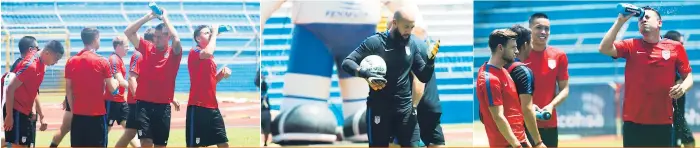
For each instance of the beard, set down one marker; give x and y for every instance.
(507, 59)
(645, 29)
(399, 38)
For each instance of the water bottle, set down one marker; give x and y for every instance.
(155, 8)
(543, 115)
(225, 28)
(626, 9)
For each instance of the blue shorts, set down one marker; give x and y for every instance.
(322, 44)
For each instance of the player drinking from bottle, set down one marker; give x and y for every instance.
(652, 63)
(158, 70)
(205, 126)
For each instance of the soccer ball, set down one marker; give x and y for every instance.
(375, 64)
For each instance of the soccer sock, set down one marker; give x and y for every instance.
(53, 145)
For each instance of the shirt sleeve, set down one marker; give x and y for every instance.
(524, 79)
(134, 63)
(422, 66)
(105, 68)
(351, 62)
(682, 63)
(68, 69)
(144, 46)
(25, 71)
(113, 62)
(623, 48)
(563, 71)
(493, 91)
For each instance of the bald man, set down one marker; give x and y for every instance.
(390, 108)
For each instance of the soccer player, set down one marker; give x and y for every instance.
(651, 65)
(159, 69)
(683, 133)
(26, 44)
(389, 103)
(550, 69)
(499, 104)
(117, 108)
(21, 93)
(205, 126)
(131, 124)
(88, 75)
(524, 83)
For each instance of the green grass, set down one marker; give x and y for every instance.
(583, 142)
(238, 137)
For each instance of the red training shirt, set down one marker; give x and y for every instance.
(31, 72)
(495, 87)
(202, 80)
(87, 72)
(159, 69)
(548, 66)
(649, 75)
(136, 59)
(116, 65)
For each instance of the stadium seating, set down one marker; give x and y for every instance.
(237, 50)
(453, 67)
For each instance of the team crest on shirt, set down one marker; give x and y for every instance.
(408, 51)
(167, 54)
(666, 54)
(24, 139)
(377, 119)
(196, 141)
(552, 63)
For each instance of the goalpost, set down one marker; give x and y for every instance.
(11, 40)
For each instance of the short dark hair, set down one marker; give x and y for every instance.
(54, 46)
(500, 36)
(198, 31)
(160, 26)
(89, 35)
(148, 35)
(523, 35)
(536, 16)
(652, 9)
(25, 43)
(673, 35)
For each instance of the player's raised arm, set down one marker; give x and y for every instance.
(424, 68)
(133, 28)
(606, 45)
(208, 51)
(176, 44)
(268, 7)
(351, 63)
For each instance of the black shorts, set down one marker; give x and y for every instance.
(430, 129)
(383, 123)
(265, 120)
(117, 112)
(131, 117)
(645, 135)
(153, 122)
(65, 102)
(88, 131)
(204, 127)
(22, 132)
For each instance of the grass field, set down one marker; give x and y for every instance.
(238, 137)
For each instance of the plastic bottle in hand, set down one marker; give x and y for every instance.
(155, 8)
(542, 114)
(225, 28)
(626, 9)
